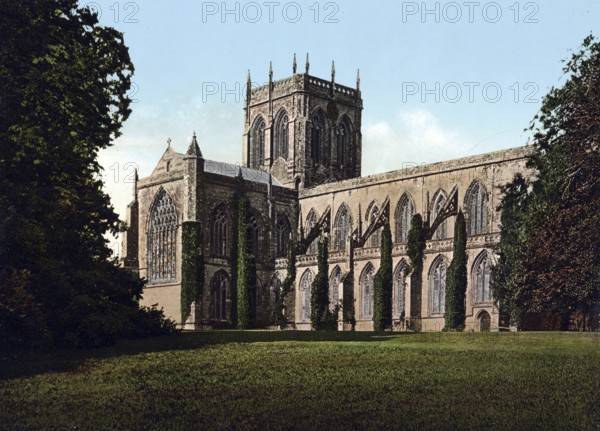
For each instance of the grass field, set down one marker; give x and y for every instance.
(290, 380)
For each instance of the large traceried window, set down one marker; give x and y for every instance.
(367, 289)
(254, 234)
(257, 144)
(341, 228)
(305, 289)
(481, 279)
(317, 141)
(477, 210)
(400, 284)
(311, 221)
(344, 144)
(281, 136)
(218, 296)
(405, 211)
(162, 239)
(283, 231)
(437, 286)
(442, 231)
(334, 287)
(219, 232)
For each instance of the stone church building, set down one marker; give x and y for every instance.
(302, 148)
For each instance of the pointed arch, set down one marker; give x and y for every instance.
(334, 287)
(220, 296)
(345, 144)
(480, 278)
(162, 238)
(281, 147)
(257, 142)
(367, 290)
(283, 230)
(305, 288)
(254, 231)
(399, 294)
(437, 285)
(371, 215)
(220, 234)
(439, 199)
(318, 138)
(342, 227)
(405, 210)
(476, 200)
(311, 220)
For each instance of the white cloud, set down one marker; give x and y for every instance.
(414, 137)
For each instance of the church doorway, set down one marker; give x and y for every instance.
(484, 321)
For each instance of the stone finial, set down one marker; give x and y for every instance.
(294, 65)
(169, 143)
(358, 79)
(270, 71)
(307, 64)
(333, 71)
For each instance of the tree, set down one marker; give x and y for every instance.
(321, 317)
(63, 98)
(557, 271)
(382, 313)
(416, 253)
(456, 286)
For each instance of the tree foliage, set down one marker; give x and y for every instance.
(382, 313)
(556, 234)
(456, 285)
(321, 317)
(63, 97)
(416, 254)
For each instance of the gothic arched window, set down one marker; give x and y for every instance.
(162, 238)
(317, 141)
(218, 296)
(477, 209)
(311, 221)
(219, 232)
(341, 228)
(257, 147)
(305, 288)
(283, 230)
(343, 145)
(438, 204)
(334, 287)
(375, 237)
(481, 279)
(403, 217)
(281, 136)
(367, 287)
(437, 286)
(400, 283)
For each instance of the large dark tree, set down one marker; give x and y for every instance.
(417, 240)
(456, 285)
(64, 82)
(382, 313)
(321, 317)
(557, 233)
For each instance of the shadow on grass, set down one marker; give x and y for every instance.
(30, 362)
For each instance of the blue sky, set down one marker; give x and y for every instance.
(439, 80)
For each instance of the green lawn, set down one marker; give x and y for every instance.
(290, 380)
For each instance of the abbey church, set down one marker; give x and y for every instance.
(301, 149)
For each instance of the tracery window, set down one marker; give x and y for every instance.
(341, 228)
(375, 237)
(219, 296)
(305, 289)
(334, 287)
(343, 146)
(162, 239)
(311, 221)
(481, 279)
(437, 286)
(317, 139)
(281, 136)
(283, 231)
(257, 147)
(442, 230)
(477, 210)
(219, 232)
(367, 288)
(403, 217)
(254, 234)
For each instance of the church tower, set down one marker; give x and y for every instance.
(302, 129)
